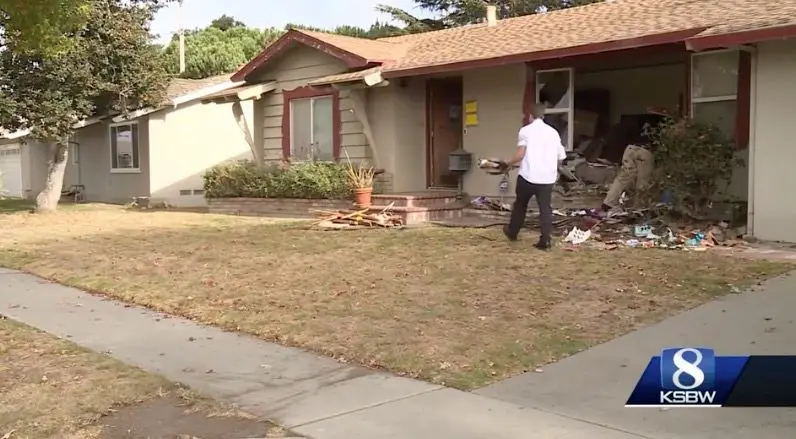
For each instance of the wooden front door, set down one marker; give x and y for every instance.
(444, 126)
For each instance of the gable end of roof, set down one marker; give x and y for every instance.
(291, 37)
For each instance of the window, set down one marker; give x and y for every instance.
(74, 152)
(720, 82)
(124, 148)
(554, 88)
(311, 124)
(311, 129)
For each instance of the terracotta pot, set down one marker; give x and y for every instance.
(362, 197)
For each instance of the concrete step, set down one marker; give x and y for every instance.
(418, 199)
(415, 215)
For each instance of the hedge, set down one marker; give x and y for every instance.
(310, 180)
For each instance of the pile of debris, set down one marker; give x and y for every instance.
(647, 228)
(486, 203)
(354, 219)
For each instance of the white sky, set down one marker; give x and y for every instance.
(267, 13)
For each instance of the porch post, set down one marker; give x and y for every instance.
(358, 104)
(686, 110)
(529, 95)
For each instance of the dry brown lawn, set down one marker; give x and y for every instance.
(442, 304)
(53, 389)
(50, 388)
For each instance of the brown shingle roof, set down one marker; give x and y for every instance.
(178, 86)
(371, 50)
(611, 20)
(608, 25)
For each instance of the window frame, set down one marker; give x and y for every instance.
(741, 97)
(136, 148)
(309, 92)
(312, 101)
(74, 150)
(569, 111)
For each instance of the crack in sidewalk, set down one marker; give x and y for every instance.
(365, 407)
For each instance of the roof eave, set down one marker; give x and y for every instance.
(293, 36)
(718, 41)
(241, 93)
(585, 49)
(179, 100)
(77, 125)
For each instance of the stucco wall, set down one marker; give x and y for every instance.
(34, 166)
(397, 116)
(35, 162)
(95, 165)
(186, 141)
(498, 92)
(773, 212)
(294, 69)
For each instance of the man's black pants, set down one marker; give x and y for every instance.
(543, 194)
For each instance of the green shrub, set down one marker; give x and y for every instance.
(693, 162)
(314, 180)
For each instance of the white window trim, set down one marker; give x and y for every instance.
(569, 111)
(312, 123)
(75, 153)
(556, 110)
(74, 150)
(715, 99)
(110, 149)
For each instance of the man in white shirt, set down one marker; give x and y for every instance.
(539, 152)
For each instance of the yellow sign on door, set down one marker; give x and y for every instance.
(470, 113)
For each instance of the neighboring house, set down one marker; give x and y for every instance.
(159, 153)
(406, 102)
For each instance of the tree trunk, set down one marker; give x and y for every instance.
(47, 200)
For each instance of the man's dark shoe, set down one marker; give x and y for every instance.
(545, 246)
(508, 234)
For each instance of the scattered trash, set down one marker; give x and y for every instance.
(577, 236)
(485, 203)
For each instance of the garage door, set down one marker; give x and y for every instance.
(11, 172)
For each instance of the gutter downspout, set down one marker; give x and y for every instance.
(750, 209)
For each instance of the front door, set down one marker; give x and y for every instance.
(444, 111)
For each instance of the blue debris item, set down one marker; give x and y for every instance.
(642, 231)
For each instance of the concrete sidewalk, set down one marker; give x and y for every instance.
(311, 395)
(594, 384)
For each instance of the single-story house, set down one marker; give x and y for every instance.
(406, 102)
(159, 152)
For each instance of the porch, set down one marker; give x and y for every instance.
(480, 110)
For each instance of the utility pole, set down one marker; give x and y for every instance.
(182, 37)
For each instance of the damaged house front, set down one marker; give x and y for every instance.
(405, 103)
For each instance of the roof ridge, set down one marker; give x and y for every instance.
(469, 26)
(335, 35)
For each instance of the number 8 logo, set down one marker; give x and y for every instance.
(686, 367)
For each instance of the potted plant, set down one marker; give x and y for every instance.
(360, 177)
